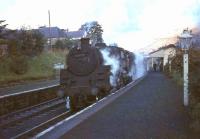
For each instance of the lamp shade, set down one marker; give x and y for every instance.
(185, 39)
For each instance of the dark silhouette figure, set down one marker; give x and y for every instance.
(161, 66)
(154, 66)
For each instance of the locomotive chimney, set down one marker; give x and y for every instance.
(85, 42)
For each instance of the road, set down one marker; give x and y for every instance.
(153, 109)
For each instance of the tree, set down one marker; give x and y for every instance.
(39, 42)
(59, 44)
(2, 28)
(93, 31)
(65, 44)
(31, 42)
(70, 43)
(18, 63)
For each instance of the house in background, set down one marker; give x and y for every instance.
(161, 57)
(75, 35)
(54, 33)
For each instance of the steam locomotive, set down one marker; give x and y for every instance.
(87, 77)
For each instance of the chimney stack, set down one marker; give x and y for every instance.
(85, 42)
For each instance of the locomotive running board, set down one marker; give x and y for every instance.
(59, 129)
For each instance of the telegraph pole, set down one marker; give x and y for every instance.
(49, 30)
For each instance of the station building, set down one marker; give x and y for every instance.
(160, 57)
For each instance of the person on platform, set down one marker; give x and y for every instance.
(154, 66)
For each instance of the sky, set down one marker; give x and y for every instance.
(132, 24)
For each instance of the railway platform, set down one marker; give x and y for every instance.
(27, 87)
(152, 109)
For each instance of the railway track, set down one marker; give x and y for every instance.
(24, 122)
(30, 121)
(35, 130)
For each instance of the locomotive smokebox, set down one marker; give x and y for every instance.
(85, 42)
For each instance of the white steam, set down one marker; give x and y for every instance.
(140, 65)
(114, 63)
(137, 69)
(132, 71)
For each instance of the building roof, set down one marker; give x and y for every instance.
(164, 48)
(75, 34)
(52, 32)
(60, 33)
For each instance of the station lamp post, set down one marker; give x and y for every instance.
(185, 40)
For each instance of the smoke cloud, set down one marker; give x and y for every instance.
(113, 62)
(140, 65)
(137, 69)
(132, 72)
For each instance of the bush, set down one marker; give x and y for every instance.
(18, 64)
(28, 69)
(194, 83)
(166, 69)
(195, 116)
(194, 73)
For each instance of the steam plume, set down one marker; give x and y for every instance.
(140, 66)
(114, 62)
